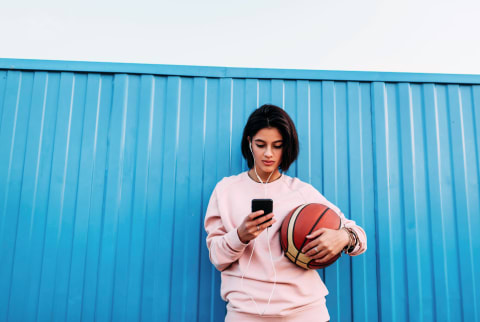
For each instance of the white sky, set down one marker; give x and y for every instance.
(369, 35)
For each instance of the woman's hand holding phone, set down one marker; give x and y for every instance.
(253, 225)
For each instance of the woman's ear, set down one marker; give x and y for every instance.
(250, 143)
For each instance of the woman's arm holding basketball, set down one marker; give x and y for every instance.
(325, 244)
(331, 241)
(335, 239)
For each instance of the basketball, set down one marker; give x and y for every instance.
(301, 222)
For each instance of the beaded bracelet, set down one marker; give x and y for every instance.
(353, 240)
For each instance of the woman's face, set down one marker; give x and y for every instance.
(267, 147)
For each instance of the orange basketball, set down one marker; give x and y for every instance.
(301, 222)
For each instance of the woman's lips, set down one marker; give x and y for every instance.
(268, 163)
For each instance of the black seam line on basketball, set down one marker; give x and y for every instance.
(298, 260)
(294, 223)
(339, 225)
(305, 240)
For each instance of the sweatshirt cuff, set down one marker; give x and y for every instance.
(234, 241)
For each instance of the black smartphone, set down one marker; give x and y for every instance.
(262, 204)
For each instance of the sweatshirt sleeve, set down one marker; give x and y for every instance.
(224, 247)
(314, 196)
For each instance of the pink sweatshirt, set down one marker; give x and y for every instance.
(297, 289)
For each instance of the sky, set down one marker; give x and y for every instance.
(421, 36)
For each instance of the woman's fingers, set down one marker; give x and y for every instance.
(316, 250)
(261, 223)
(258, 217)
(255, 214)
(320, 256)
(322, 253)
(263, 219)
(324, 259)
(309, 249)
(266, 225)
(316, 233)
(248, 229)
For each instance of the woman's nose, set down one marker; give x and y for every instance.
(268, 151)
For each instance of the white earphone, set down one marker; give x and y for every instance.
(254, 242)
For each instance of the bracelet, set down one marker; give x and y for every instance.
(353, 240)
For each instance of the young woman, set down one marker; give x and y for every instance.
(258, 282)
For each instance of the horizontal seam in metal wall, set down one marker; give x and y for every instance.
(233, 72)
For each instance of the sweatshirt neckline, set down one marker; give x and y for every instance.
(270, 184)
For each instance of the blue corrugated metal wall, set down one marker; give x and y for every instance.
(106, 171)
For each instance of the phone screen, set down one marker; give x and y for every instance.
(262, 204)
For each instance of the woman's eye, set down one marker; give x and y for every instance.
(275, 146)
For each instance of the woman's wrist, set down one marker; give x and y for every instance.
(240, 237)
(346, 238)
(352, 240)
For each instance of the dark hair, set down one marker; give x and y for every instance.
(268, 116)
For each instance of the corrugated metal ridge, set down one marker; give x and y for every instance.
(233, 72)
